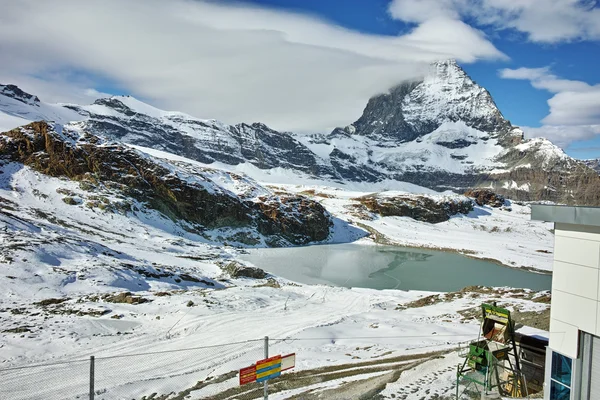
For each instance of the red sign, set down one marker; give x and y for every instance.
(248, 374)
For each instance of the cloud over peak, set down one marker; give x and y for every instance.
(213, 60)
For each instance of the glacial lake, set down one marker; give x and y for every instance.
(389, 267)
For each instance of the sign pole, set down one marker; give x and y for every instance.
(92, 376)
(266, 383)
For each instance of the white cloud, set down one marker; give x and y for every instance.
(420, 11)
(227, 61)
(542, 78)
(563, 135)
(574, 108)
(547, 21)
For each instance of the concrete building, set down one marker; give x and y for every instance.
(573, 354)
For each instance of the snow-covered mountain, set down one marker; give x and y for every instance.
(446, 132)
(19, 108)
(443, 132)
(213, 204)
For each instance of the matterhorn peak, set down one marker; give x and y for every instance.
(448, 73)
(414, 109)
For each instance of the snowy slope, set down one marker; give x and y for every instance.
(55, 250)
(430, 152)
(198, 198)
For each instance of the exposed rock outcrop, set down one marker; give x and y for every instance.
(485, 197)
(421, 208)
(237, 270)
(295, 218)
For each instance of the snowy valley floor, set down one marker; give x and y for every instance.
(62, 265)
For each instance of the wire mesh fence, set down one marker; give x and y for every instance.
(53, 381)
(174, 374)
(203, 371)
(209, 372)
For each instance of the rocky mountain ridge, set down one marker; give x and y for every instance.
(593, 164)
(444, 132)
(204, 201)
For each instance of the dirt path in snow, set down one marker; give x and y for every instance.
(362, 380)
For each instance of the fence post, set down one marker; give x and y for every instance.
(92, 372)
(265, 383)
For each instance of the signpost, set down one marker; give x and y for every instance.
(266, 369)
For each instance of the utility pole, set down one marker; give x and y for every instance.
(266, 383)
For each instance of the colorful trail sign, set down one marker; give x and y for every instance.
(266, 369)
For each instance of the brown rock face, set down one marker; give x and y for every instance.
(421, 208)
(486, 197)
(296, 218)
(197, 200)
(38, 146)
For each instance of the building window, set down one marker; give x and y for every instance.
(560, 377)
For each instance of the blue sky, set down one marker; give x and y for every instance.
(518, 100)
(311, 65)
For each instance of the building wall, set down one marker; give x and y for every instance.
(575, 286)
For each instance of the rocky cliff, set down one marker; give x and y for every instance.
(184, 193)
